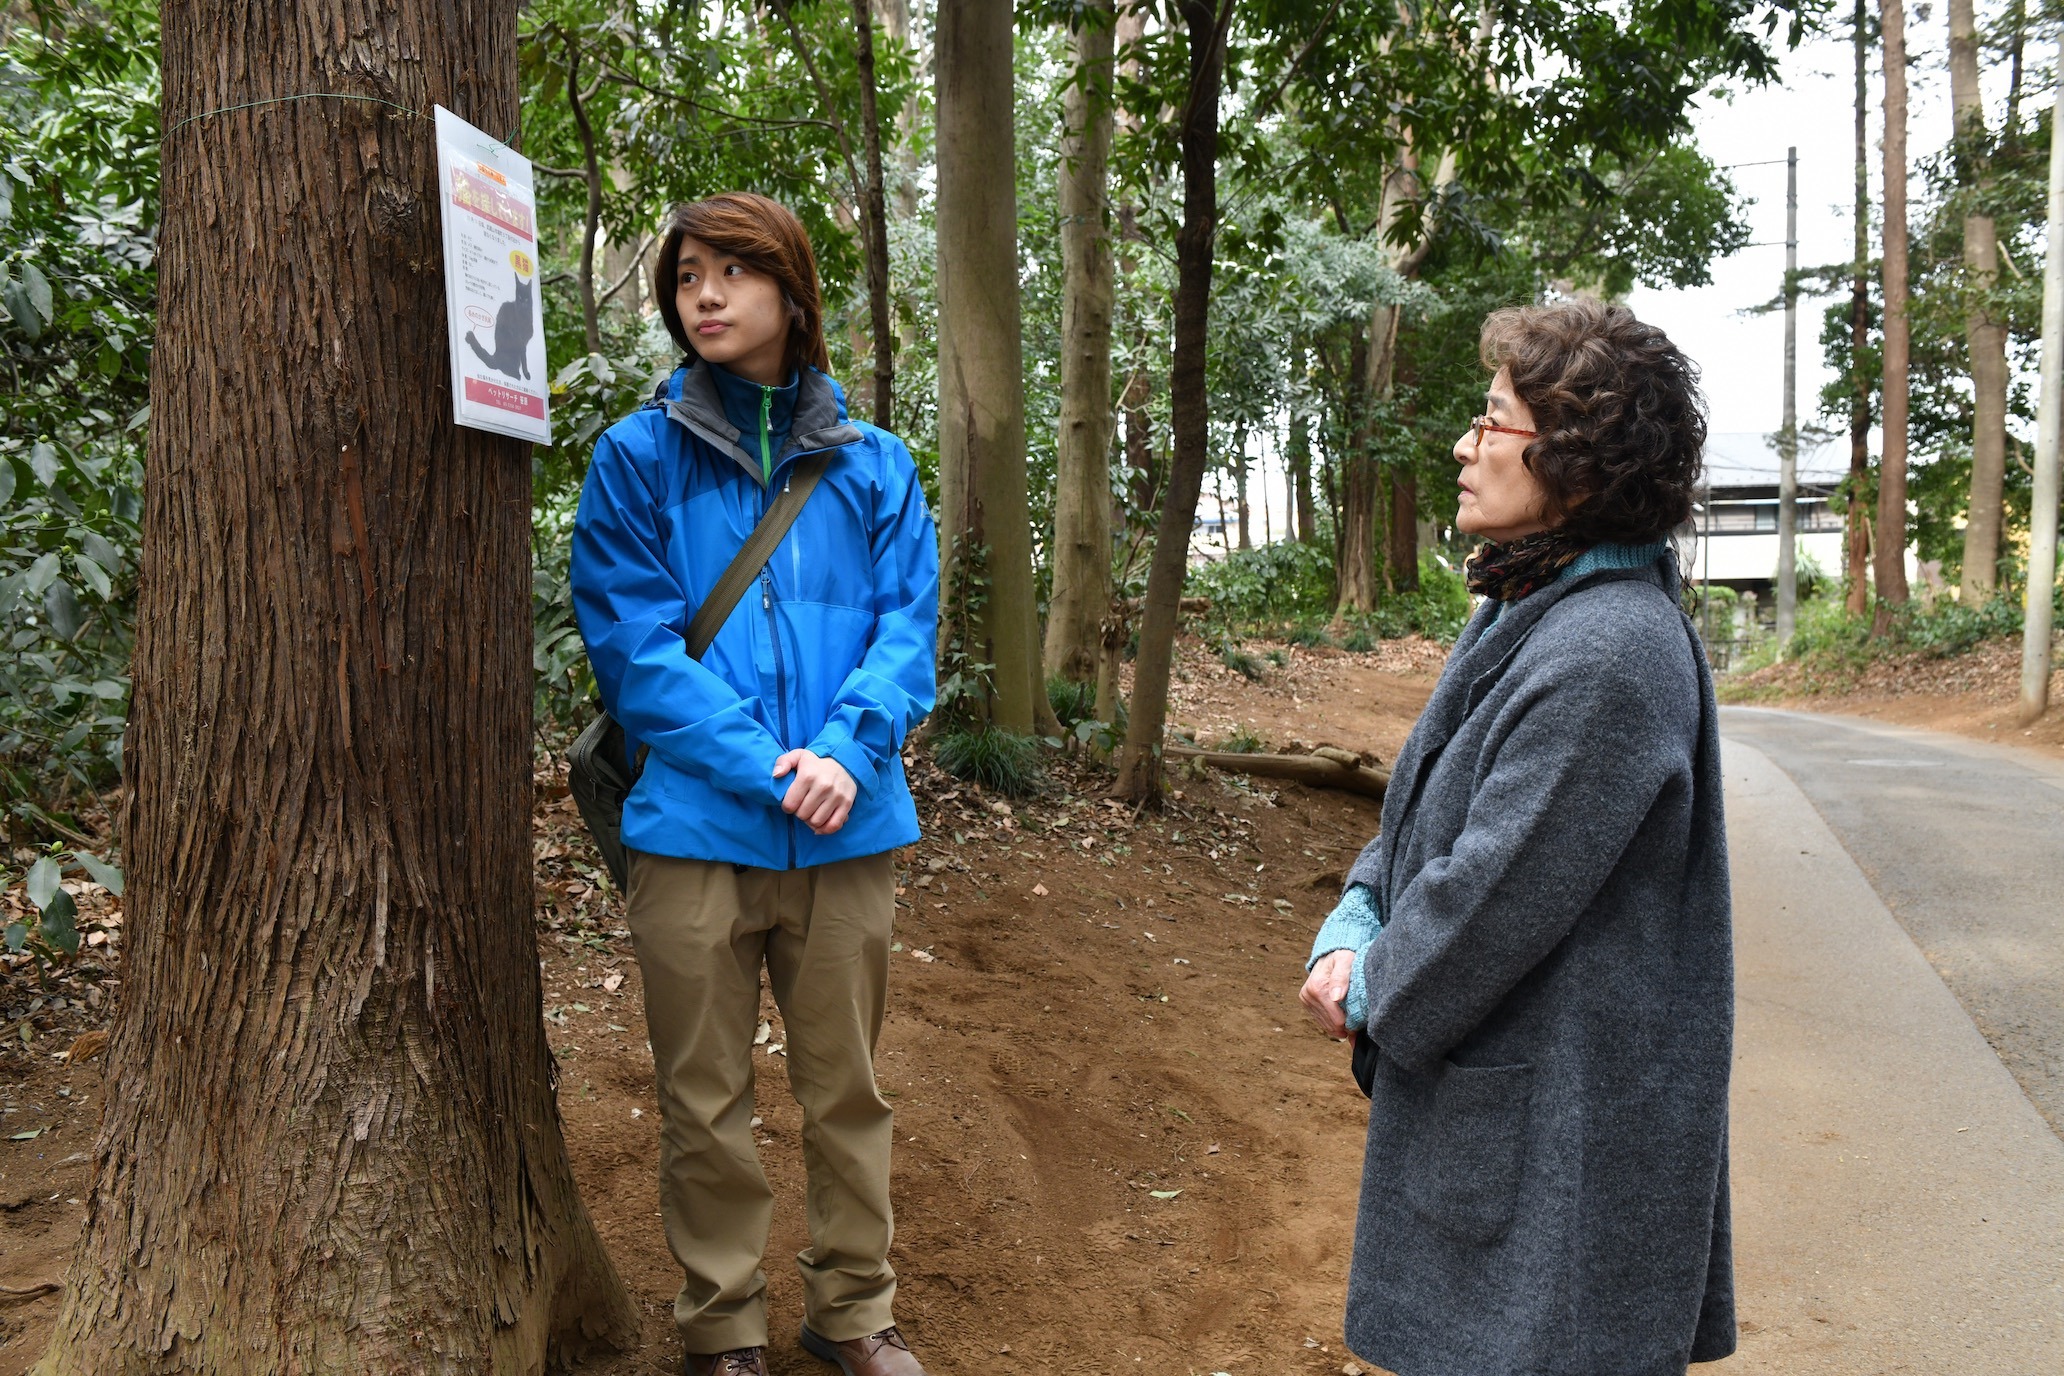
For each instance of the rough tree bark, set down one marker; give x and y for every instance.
(1082, 479)
(982, 496)
(1139, 768)
(329, 1139)
(1984, 332)
(1891, 523)
(875, 211)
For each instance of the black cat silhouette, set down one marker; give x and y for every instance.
(515, 322)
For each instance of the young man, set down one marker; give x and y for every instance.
(772, 793)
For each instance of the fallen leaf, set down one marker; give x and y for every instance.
(31, 1135)
(1164, 1194)
(613, 983)
(926, 956)
(762, 1032)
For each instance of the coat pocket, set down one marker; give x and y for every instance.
(1469, 1151)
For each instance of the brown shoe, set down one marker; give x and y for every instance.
(741, 1361)
(886, 1353)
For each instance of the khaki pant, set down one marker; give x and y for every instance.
(702, 930)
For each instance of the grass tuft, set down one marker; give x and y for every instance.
(992, 757)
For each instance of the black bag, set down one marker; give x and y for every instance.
(1365, 1064)
(601, 769)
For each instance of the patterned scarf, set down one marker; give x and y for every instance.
(1506, 573)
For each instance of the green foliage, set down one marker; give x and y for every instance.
(53, 936)
(992, 757)
(1245, 663)
(1241, 741)
(1072, 702)
(1269, 583)
(78, 215)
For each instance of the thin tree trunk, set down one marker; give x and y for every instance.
(1139, 768)
(982, 494)
(1082, 478)
(2017, 39)
(1891, 523)
(1859, 546)
(1142, 467)
(875, 209)
(1240, 487)
(591, 220)
(1301, 475)
(895, 22)
(1984, 332)
(329, 1139)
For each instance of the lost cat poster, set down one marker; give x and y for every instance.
(491, 283)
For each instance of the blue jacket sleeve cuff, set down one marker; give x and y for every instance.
(1351, 926)
(1355, 1007)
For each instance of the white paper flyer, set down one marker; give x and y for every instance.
(492, 309)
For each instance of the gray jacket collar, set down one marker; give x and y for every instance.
(1482, 653)
(818, 422)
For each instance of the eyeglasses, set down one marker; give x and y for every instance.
(1483, 423)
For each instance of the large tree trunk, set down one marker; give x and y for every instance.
(981, 371)
(1357, 546)
(1984, 332)
(1891, 525)
(1082, 479)
(1139, 768)
(874, 209)
(1859, 538)
(1403, 544)
(329, 1139)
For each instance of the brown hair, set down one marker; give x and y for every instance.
(764, 234)
(1622, 424)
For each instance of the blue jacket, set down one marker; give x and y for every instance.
(833, 649)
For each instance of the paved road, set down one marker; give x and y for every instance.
(1898, 1200)
(1964, 842)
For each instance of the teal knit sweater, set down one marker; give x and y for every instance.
(1357, 920)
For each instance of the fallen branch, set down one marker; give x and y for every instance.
(1325, 767)
(29, 1292)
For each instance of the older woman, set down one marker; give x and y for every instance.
(1534, 955)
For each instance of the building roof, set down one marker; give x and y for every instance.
(1743, 458)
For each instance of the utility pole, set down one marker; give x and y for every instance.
(2042, 516)
(1788, 438)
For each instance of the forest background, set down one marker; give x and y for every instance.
(1354, 245)
(1086, 257)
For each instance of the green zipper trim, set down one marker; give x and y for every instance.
(766, 454)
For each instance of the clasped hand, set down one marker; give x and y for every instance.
(1324, 994)
(822, 793)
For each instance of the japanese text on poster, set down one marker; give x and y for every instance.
(498, 373)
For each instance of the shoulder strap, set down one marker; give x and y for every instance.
(758, 548)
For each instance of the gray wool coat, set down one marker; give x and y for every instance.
(1551, 1001)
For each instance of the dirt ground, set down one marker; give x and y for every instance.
(1974, 694)
(1121, 1147)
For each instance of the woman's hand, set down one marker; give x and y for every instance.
(822, 793)
(1325, 993)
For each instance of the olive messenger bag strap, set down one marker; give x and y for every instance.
(601, 770)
